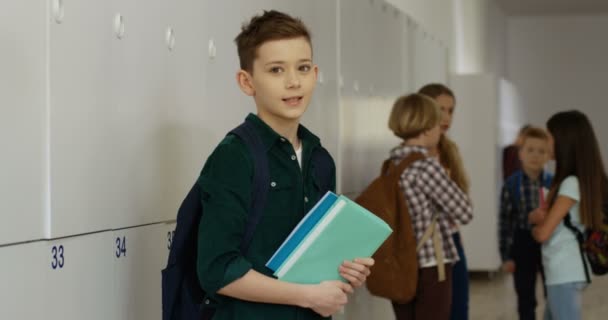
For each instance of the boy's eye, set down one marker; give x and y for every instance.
(276, 70)
(305, 68)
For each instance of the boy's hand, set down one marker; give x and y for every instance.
(537, 216)
(508, 266)
(328, 297)
(356, 272)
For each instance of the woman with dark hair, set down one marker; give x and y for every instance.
(450, 159)
(576, 197)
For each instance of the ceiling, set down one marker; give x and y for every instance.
(554, 7)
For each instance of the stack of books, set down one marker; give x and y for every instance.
(334, 230)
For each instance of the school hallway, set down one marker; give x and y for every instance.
(494, 298)
(109, 110)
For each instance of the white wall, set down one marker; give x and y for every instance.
(559, 63)
(435, 15)
(479, 37)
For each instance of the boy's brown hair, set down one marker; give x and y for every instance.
(271, 25)
(534, 132)
(412, 115)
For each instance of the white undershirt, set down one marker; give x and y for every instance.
(299, 155)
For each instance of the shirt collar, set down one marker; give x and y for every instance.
(402, 151)
(270, 137)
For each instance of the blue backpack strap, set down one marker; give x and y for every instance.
(261, 178)
(322, 168)
(513, 184)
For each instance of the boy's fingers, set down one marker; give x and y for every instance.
(345, 287)
(365, 261)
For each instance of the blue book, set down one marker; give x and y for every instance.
(301, 230)
(345, 232)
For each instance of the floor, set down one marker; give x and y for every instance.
(493, 297)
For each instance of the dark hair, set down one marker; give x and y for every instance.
(434, 90)
(577, 154)
(271, 25)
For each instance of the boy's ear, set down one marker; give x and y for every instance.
(244, 80)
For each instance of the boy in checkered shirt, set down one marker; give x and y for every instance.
(521, 194)
(434, 202)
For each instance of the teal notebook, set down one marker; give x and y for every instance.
(345, 232)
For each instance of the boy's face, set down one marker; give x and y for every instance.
(282, 81)
(534, 153)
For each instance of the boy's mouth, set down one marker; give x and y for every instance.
(293, 101)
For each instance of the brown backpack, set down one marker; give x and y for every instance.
(395, 273)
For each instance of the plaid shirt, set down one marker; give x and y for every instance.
(519, 196)
(429, 191)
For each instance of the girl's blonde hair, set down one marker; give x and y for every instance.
(412, 115)
(449, 156)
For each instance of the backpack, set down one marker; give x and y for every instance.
(182, 296)
(593, 245)
(395, 272)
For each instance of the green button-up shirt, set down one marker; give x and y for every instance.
(226, 181)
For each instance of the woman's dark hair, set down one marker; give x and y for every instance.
(577, 154)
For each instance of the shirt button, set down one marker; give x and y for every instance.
(273, 184)
(306, 199)
(293, 157)
(282, 139)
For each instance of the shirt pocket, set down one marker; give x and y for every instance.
(281, 197)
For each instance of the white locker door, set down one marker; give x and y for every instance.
(186, 142)
(85, 187)
(430, 59)
(22, 274)
(79, 278)
(322, 114)
(139, 255)
(23, 121)
(139, 110)
(225, 105)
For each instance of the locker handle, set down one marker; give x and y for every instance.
(119, 26)
(58, 11)
(170, 38)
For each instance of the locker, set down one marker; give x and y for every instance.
(139, 254)
(186, 141)
(22, 273)
(23, 121)
(79, 277)
(322, 114)
(496, 103)
(222, 24)
(356, 52)
(84, 137)
(168, 231)
(139, 107)
(430, 59)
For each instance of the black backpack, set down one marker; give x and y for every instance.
(593, 245)
(182, 296)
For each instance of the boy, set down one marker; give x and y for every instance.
(430, 196)
(275, 55)
(520, 253)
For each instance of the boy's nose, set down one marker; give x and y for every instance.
(292, 81)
